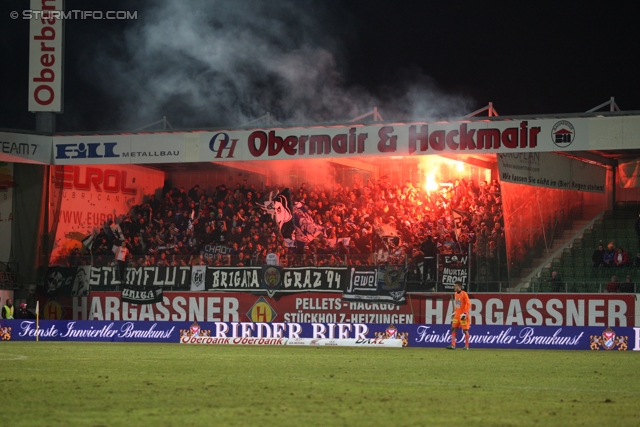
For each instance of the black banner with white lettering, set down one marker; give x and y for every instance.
(295, 279)
(318, 279)
(141, 295)
(178, 277)
(383, 284)
(233, 279)
(454, 268)
(75, 281)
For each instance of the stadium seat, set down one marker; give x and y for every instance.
(545, 287)
(592, 287)
(589, 243)
(601, 234)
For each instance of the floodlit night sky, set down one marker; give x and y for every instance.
(223, 63)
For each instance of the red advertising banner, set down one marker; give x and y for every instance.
(85, 198)
(540, 309)
(599, 310)
(240, 307)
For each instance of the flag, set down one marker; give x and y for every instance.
(306, 228)
(198, 273)
(88, 241)
(281, 209)
(458, 217)
(117, 231)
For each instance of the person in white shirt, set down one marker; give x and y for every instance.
(272, 259)
(122, 255)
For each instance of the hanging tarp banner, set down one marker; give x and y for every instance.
(551, 171)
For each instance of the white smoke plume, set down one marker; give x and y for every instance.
(223, 63)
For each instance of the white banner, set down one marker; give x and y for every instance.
(198, 273)
(347, 342)
(45, 57)
(394, 140)
(23, 148)
(551, 171)
(332, 342)
(118, 149)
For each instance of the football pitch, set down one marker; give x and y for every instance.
(125, 384)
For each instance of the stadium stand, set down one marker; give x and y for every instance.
(377, 223)
(616, 229)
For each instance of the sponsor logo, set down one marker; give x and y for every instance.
(89, 150)
(609, 341)
(261, 312)
(563, 133)
(22, 148)
(53, 310)
(194, 331)
(351, 142)
(151, 153)
(92, 179)
(5, 333)
(391, 333)
(220, 142)
(233, 341)
(421, 140)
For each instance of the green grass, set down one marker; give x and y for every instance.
(116, 384)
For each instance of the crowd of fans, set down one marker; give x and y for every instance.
(228, 226)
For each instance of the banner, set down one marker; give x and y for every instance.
(554, 309)
(210, 251)
(59, 281)
(360, 334)
(141, 295)
(382, 284)
(314, 342)
(175, 276)
(92, 198)
(552, 171)
(119, 149)
(294, 279)
(198, 273)
(46, 55)
(23, 148)
(454, 268)
(235, 307)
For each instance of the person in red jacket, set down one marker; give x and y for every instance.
(621, 258)
(461, 318)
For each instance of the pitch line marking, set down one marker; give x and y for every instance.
(6, 357)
